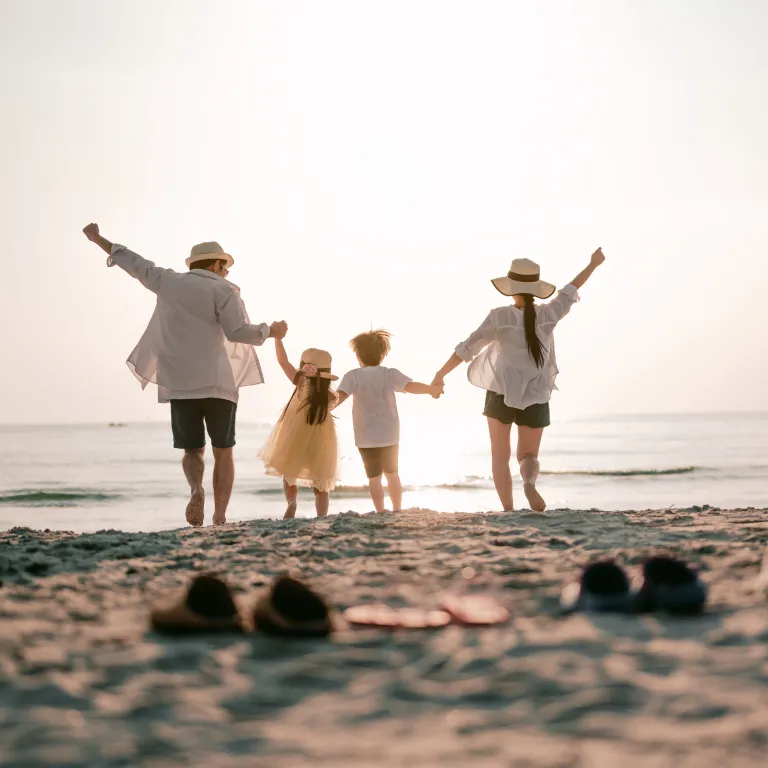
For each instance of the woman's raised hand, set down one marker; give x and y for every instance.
(598, 257)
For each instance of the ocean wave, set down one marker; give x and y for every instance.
(354, 491)
(623, 472)
(65, 497)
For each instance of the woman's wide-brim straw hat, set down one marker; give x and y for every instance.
(316, 363)
(524, 276)
(205, 251)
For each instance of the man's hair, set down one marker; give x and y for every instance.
(372, 347)
(203, 263)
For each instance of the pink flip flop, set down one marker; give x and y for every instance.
(380, 615)
(474, 610)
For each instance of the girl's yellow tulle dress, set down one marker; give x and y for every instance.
(302, 453)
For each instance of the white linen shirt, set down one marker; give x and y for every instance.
(374, 406)
(199, 341)
(500, 361)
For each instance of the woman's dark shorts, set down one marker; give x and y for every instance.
(190, 418)
(380, 461)
(535, 416)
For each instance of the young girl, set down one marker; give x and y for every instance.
(303, 448)
(512, 357)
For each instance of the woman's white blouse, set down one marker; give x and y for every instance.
(500, 361)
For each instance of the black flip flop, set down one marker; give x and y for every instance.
(670, 585)
(208, 606)
(603, 588)
(292, 609)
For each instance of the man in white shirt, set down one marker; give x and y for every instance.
(198, 349)
(374, 413)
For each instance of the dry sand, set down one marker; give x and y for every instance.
(83, 682)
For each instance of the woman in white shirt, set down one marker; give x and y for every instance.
(512, 357)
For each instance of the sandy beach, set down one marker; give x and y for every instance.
(84, 682)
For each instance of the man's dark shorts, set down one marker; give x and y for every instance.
(535, 416)
(378, 461)
(190, 418)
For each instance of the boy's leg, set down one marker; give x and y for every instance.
(321, 502)
(291, 494)
(389, 457)
(372, 460)
(395, 489)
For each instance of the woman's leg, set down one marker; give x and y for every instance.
(377, 493)
(291, 494)
(501, 452)
(321, 502)
(528, 442)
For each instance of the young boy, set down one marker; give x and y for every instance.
(374, 413)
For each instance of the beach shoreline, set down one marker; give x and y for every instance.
(84, 682)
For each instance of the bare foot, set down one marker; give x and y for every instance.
(534, 497)
(196, 507)
(290, 511)
(219, 520)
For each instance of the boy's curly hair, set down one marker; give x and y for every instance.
(372, 346)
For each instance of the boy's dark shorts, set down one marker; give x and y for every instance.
(380, 461)
(535, 416)
(190, 418)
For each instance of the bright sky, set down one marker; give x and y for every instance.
(376, 163)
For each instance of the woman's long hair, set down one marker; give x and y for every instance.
(529, 320)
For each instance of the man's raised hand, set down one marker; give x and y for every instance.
(91, 232)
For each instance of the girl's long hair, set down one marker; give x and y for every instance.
(532, 340)
(317, 401)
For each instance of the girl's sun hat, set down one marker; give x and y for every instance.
(316, 363)
(524, 276)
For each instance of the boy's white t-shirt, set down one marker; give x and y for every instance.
(374, 408)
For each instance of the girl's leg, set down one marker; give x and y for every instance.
(291, 494)
(395, 490)
(377, 493)
(528, 442)
(321, 502)
(501, 453)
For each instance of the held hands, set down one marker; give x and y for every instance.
(91, 232)
(278, 329)
(438, 390)
(597, 258)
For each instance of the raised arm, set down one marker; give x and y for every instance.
(595, 261)
(92, 233)
(140, 268)
(282, 359)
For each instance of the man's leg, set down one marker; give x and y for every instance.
(223, 480)
(194, 467)
(220, 417)
(189, 435)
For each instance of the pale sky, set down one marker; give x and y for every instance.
(376, 163)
